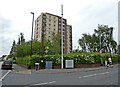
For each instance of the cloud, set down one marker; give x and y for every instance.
(83, 15)
(5, 24)
(94, 14)
(4, 45)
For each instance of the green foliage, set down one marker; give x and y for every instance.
(24, 48)
(54, 45)
(118, 49)
(79, 58)
(24, 61)
(13, 48)
(102, 38)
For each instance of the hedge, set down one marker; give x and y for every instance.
(79, 58)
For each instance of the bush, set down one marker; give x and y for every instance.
(79, 58)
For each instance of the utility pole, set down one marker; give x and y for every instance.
(31, 36)
(101, 51)
(32, 31)
(61, 36)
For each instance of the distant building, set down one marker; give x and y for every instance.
(47, 24)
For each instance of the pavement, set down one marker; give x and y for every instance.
(23, 70)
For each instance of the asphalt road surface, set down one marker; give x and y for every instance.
(0, 74)
(99, 76)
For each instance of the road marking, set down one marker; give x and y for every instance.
(45, 83)
(5, 75)
(93, 75)
(52, 82)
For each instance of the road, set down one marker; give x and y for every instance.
(0, 74)
(98, 76)
(3, 73)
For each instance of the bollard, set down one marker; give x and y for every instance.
(37, 66)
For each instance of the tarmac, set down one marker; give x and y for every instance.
(23, 70)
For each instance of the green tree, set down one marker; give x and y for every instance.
(13, 48)
(55, 44)
(101, 39)
(118, 49)
(22, 38)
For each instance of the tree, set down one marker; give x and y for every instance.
(21, 39)
(12, 48)
(53, 45)
(106, 41)
(118, 49)
(101, 39)
(37, 47)
(18, 41)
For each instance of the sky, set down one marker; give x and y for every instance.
(83, 15)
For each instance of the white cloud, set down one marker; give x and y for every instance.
(83, 15)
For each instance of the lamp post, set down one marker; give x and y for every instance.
(61, 36)
(32, 35)
(32, 31)
(101, 51)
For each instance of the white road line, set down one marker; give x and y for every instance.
(42, 83)
(5, 75)
(45, 83)
(93, 75)
(52, 82)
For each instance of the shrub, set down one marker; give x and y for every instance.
(79, 58)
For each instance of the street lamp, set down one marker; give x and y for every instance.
(31, 37)
(32, 32)
(101, 50)
(61, 36)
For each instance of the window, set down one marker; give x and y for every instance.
(44, 16)
(36, 36)
(49, 24)
(36, 32)
(54, 21)
(37, 20)
(54, 25)
(63, 40)
(44, 20)
(54, 29)
(49, 16)
(63, 29)
(49, 20)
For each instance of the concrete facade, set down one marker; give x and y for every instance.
(48, 24)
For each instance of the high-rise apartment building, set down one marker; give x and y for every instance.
(47, 24)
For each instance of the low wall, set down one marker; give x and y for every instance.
(79, 66)
(87, 65)
(59, 66)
